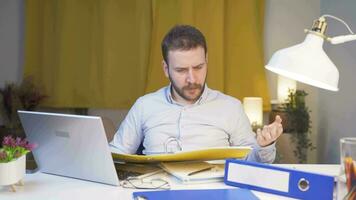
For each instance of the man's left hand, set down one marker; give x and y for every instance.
(270, 133)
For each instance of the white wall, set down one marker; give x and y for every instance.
(285, 21)
(11, 41)
(337, 110)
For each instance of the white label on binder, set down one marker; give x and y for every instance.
(258, 176)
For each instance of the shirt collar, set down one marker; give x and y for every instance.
(201, 99)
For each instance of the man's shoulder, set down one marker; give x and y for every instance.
(158, 95)
(218, 95)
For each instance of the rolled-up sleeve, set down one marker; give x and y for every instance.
(242, 135)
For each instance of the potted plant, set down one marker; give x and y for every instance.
(13, 160)
(25, 96)
(300, 124)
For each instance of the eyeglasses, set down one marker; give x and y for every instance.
(139, 183)
(146, 181)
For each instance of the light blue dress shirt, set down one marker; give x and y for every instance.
(164, 125)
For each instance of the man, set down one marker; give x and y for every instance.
(187, 115)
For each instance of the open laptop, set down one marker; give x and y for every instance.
(70, 145)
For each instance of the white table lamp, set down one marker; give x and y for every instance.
(284, 86)
(307, 62)
(253, 110)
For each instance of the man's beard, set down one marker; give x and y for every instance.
(180, 91)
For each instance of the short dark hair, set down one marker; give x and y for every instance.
(182, 37)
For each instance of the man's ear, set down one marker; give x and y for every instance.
(165, 68)
(206, 57)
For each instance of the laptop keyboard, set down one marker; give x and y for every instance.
(125, 170)
(123, 174)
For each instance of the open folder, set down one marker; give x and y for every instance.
(215, 153)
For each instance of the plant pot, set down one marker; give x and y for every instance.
(13, 172)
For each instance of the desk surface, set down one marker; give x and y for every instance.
(45, 186)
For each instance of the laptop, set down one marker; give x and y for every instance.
(70, 145)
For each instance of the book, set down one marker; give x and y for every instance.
(195, 171)
(209, 194)
(214, 153)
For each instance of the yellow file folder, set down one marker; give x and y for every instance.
(215, 153)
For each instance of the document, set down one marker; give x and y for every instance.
(214, 153)
(195, 171)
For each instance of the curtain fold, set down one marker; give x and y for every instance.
(88, 53)
(106, 53)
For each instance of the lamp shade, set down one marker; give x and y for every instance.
(306, 62)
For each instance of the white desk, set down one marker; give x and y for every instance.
(43, 186)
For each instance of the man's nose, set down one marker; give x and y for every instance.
(191, 76)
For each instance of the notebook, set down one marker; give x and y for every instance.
(195, 172)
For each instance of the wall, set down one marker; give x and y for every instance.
(11, 41)
(337, 110)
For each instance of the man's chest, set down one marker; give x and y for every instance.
(187, 120)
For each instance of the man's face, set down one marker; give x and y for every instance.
(187, 70)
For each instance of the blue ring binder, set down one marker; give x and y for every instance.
(291, 183)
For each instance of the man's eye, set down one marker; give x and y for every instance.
(198, 67)
(181, 70)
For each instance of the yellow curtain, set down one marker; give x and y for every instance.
(102, 53)
(88, 53)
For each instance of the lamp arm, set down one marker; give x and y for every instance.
(342, 39)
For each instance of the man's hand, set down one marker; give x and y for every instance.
(270, 133)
